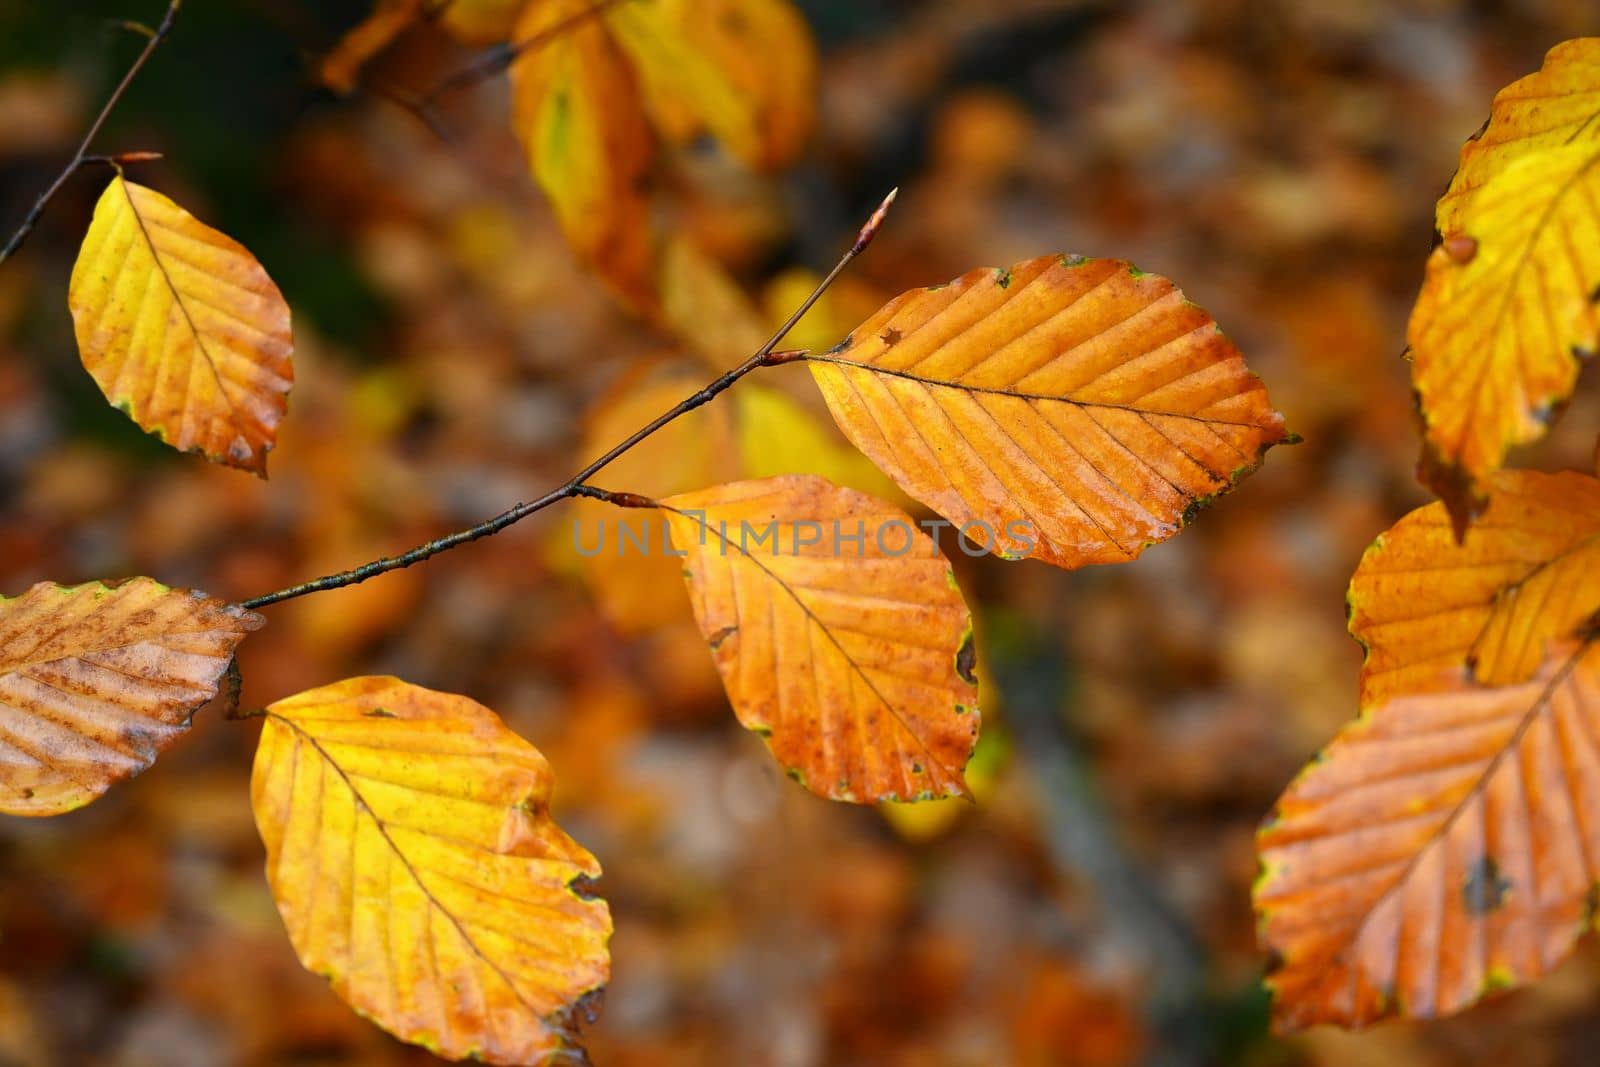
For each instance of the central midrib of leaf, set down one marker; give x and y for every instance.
(939, 383)
(177, 298)
(405, 860)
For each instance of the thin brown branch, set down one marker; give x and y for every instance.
(766, 355)
(80, 157)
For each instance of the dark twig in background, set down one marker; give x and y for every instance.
(81, 156)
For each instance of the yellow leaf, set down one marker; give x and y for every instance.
(1432, 612)
(1441, 848)
(839, 633)
(847, 301)
(576, 108)
(744, 70)
(182, 328)
(1556, 105)
(97, 680)
(414, 861)
(1065, 409)
(778, 436)
(1505, 314)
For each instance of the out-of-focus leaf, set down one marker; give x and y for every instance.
(1071, 410)
(1556, 105)
(704, 306)
(1506, 313)
(1432, 612)
(481, 22)
(776, 435)
(1442, 847)
(340, 69)
(97, 680)
(575, 105)
(743, 70)
(839, 633)
(181, 328)
(414, 861)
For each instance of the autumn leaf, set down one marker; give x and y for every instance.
(1065, 409)
(742, 70)
(1506, 314)
(481, 22)
(97, 680)
(575, 105)
(1441, 848)
(1431, 612)
(704, 306)
(414, 861)
(839, 633)
(340, 70)
(181, 328)
(1557, 105)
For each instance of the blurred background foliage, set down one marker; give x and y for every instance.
(1279, 159)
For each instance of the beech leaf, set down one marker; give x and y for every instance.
(1506, 313)
(96, 680)
(839, 633)
(414, 861)
(1073, 410)
(181, 328)
(1432, 612)
(1443, 846)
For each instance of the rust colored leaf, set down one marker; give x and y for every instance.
(1431, 611)
(181, 328)
(1444, 846)
(575, 105)
(839, 633)
(1497, 337)
(1556, 105)
(97, 680)
(340, 70)
(414, 861)
(1065, 409)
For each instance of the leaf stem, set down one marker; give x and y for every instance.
(81, 156)
(766, 355)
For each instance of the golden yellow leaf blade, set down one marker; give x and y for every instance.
(181, 328)
(576, 108)
(1443, 847)
(1065, 409)
(1556, 105)
(97, 680)
(1431, 612)
(414, 861)
(481, 22)
(744, 70)
(850, 655)
(1506, 312)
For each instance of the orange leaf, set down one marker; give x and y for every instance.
(97, 680)
(576, 108)
(1556, 105)
(853, 660)
(1442, 847)
(1429, 610)
(181, 328)
(1074, 410)
(414, 861)
(340, 70)
(1506, 313)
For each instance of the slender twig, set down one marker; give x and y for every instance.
(500, 57)
(80, 157)
(766, 355)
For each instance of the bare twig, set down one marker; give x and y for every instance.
(80, 157)
(766, 355)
